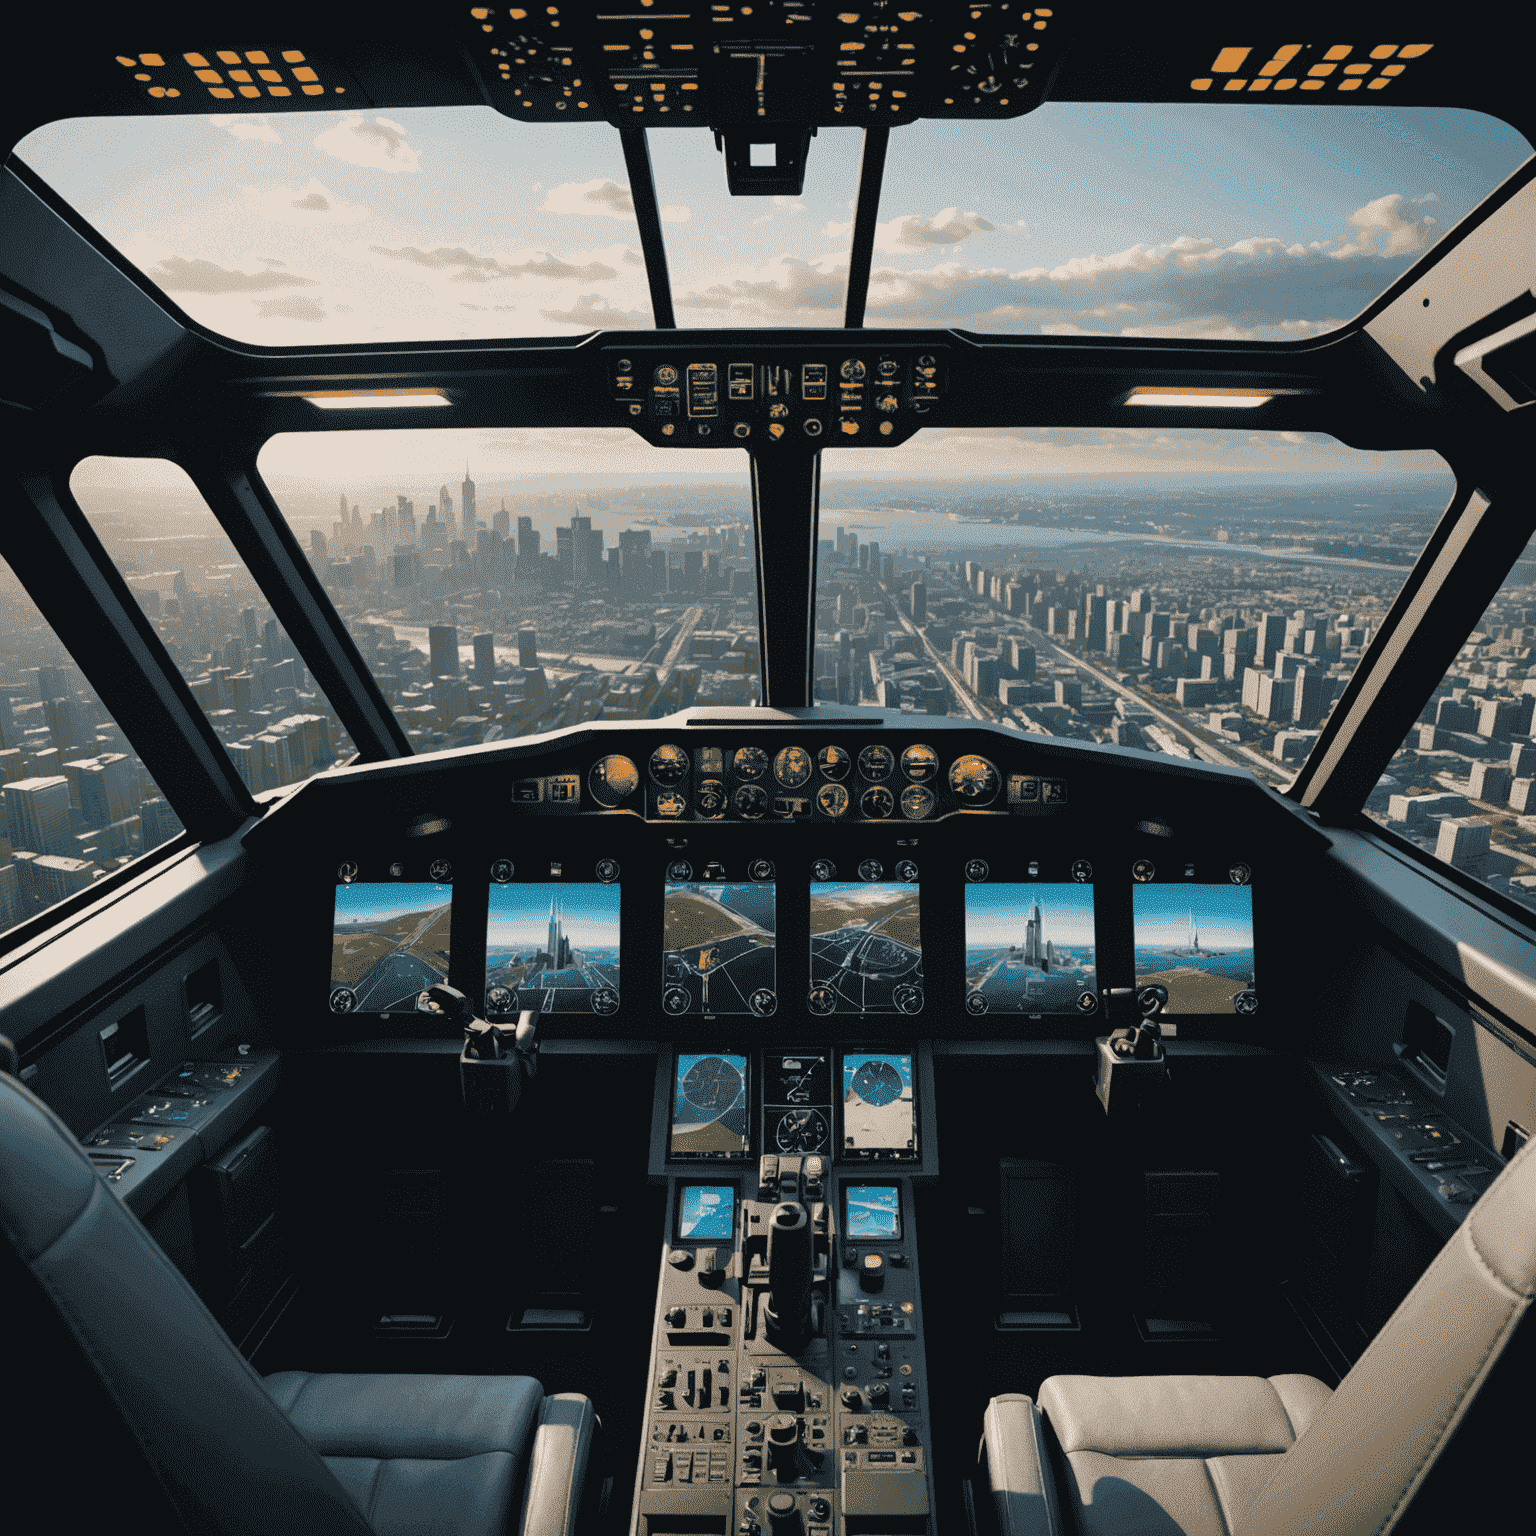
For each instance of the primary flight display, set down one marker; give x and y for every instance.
(866, 948)
(1196, 943)
(1029, 948)
(390, 941)
(718, 940)
(552, 947)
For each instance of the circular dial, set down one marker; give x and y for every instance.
(977, 869)
(751, 763)
(669, 765)
(613, 779)
(909, 999)
(501, 871)
(1240, 874)
(906, 871)
(823, 869)
(853, 371)
(871, 869)
(680, 871)
(760, 869)
(920, 763)
(1246, 1003)
(666, 374)
(605, 1000)
(834, 763)
(347, 873)
(752, 801)
(792, 767)
(607, 870)
(833, 800)
(801, 1130)
(877, 802)
(500, 999)
(974, 780)
(1082, 871)
(712, 1084)
(876, 763)
(710, 798)
(440, 870)
(822, 1000)
(877, 1083)
(1143, 870)
(916, 802)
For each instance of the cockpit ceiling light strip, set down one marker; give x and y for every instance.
(370, 399)
(1201, 396)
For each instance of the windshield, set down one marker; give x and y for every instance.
(1259, 222)
(1201, 593)
(503, 583)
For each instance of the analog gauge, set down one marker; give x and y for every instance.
(1240, 874)
(974, 780)
(751, 763)
(613, 779)
(675, 1000)
(760, 869)
(801, 1130)
(751, 801)
(834, 763)
(977, 869)
(1082, 871)
(762, 1002)
(853, 371)
(877, 802)
(666, 374)
(792, 767)
(833, 800)
(1246, 1003)
(823, 869)
(871, 869)
(877, 1083)
(712, 1084)
(679, 871)
(500, 999)
(669, 765)
(976, 1003)
(908, 999)
(343, 1000)
(916, 802)
(670, 805)
(607, 870)
(396, 871)
(501, 871)
(347, 873)
(440, 870)
(1087, 1002)
(821, 1000)
(711, 798)
(920, 763)
(906, 871)
(605, 1000)
(1152, 1000)
(876, 763)
(1143, 870)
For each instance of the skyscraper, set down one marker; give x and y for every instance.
(558, 947)
(443, 650)
(445, 509)
(467, 503)
(527, 647)
(485, 659)
(37, 814)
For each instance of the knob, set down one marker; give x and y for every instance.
(677, 1317)
(821, 1509)
(680, 1258)
(878, 1392)
(872, 1272)
(783, 1514)
(852, 1398)
(711, 1270)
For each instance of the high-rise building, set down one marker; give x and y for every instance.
(37, 814)
(1462, 839)
(445, 509)
(485, 659)
(248, 630)
(467, 502)
(527, 647)
(919, 602)
(443, 650)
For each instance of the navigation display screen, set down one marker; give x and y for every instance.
(389, 943)
(866, 948)
(874, 1211)
(1196, 941)
(797, 1101)
(707, 1212)
(1029, 949)
(719, 948)
(878, 1103)
(552, 947)
(709, 1106)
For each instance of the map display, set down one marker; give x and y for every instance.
(874, 1211)
(866, 948)
(709, 1106)
(1028, 948)
(389, 943)
(718, 940)
(878, 1103)
(552, 947)
(1197, 942)
(708, 1212)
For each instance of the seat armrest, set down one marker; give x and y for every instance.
(1017, 1464)
(558, 1466)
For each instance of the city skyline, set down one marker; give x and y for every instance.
(519, 916)
(996, 914)
(1162, 915)
(377, 901)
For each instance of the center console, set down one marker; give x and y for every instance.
(787, 1391)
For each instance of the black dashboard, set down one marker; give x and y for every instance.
(756, 877)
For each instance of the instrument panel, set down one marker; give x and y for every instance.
(732, 929)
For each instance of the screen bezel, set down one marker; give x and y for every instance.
(683, 1186)
(673, 1155)
(849, 1235)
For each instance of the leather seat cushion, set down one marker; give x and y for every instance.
(420, 1453)
(1173, 1455)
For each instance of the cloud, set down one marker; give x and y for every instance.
(313, 203)
(1404, 236)
(605, 198)
(465, 267)
(247, 128)
(793, 204)
(591, 312)
(912, 232)
(675, 213)
(290, 307)
(633, 258)
(178, 275)
(379, 145)
(782, 286)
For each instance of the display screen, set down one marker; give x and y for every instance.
(797, 1101)
(708, 1211)
(874, 1211)
(1197, 942)
(719, 948)
(709, 1106)
(1029, 949)
(878, 1103)
(389, 943)
(866, 948)
(552, 947)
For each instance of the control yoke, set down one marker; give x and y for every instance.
(497, 1059)
(791, 1260)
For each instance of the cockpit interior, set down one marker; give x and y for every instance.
(1023, 505)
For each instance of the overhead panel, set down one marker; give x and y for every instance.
(223, 77)
(767, 62)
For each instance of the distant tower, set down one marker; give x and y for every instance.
(445, 507)
(467, 503)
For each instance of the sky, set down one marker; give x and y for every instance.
(1265, 222)
(376, 901)
(996, 914)
(519, 916)
(1224, 914)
